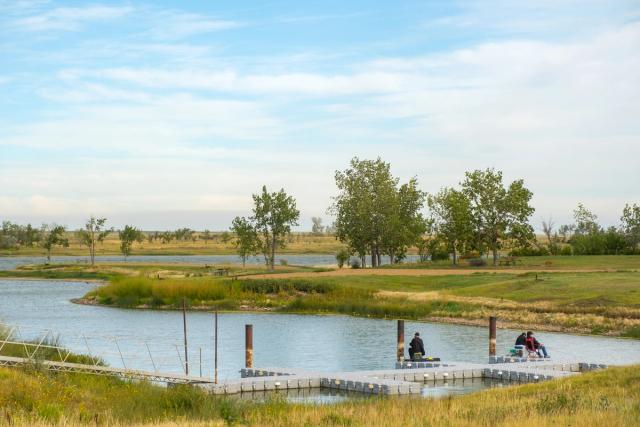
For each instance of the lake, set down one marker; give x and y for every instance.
(324, 343)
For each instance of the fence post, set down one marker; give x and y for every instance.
(400, 341)
(248, 345)
(184, 326)
(215, 358)
(492, 336)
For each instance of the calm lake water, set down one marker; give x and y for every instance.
(325, 343)
(9, 263)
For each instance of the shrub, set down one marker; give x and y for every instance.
(566, 250)
(355, 263)
(342, 257)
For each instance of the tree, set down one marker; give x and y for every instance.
(94, 231)
(206, 236)
(52, 235)
(273, 216)
(246, 238)
(128, 235)
(452, 220)
(498, 213)
(586, 222)
(342, 257)
(225, 237)
(552, 238)
(630, 220)
(373, 213)
(403, 223)
(317, 227)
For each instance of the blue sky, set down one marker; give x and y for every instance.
(169, 114)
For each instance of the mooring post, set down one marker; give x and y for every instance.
(400, 341)
(492, 336)
(184, 327)
(215, 346)
(248, 346)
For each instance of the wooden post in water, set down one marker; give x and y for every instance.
(184, 326)
(215, 345)
(492, 336)
(248, 346)
(400, 341)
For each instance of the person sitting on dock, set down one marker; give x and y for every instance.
(533, 345)
(521, 343)
(416, 347)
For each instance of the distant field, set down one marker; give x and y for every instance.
(298, 243)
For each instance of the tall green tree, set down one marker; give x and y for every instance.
(499, 213)
(94, 231)
(273, 216)
(403, 223)
(630, 220)
(245, 238)
(373, 213)
(128, 235)
(52, 235)
(452, 219)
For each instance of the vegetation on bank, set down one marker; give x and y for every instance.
(595, 303)
(32, 397)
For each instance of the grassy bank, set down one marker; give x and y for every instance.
(32, 397)
(594, 303)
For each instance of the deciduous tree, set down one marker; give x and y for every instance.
(94, 231)
(246, 238)
(52, 235)
(498, 213)
(452, 219)
(128, 235)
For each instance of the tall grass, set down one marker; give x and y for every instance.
(607, 397)
(597, 303)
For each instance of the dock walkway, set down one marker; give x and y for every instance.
(405, 379)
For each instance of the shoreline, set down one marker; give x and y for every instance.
(479, 323)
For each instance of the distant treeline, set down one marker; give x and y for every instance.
(376, 215)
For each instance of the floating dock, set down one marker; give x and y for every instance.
(407, 378)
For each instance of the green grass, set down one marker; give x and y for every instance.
(614, 262)
(32, 397)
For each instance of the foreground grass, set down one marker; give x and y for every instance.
(610, 397)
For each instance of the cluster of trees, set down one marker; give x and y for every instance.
(375, 214)
(266, 230)
(480, 216)
(585, 236)
(47, 236)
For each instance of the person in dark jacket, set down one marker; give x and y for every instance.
(532, 344)
(520, 345)
(416, 346)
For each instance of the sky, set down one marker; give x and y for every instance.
(171, 114)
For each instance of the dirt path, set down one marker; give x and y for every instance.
(414, 272)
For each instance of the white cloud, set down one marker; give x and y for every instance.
(177, 25)
(70, 18)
